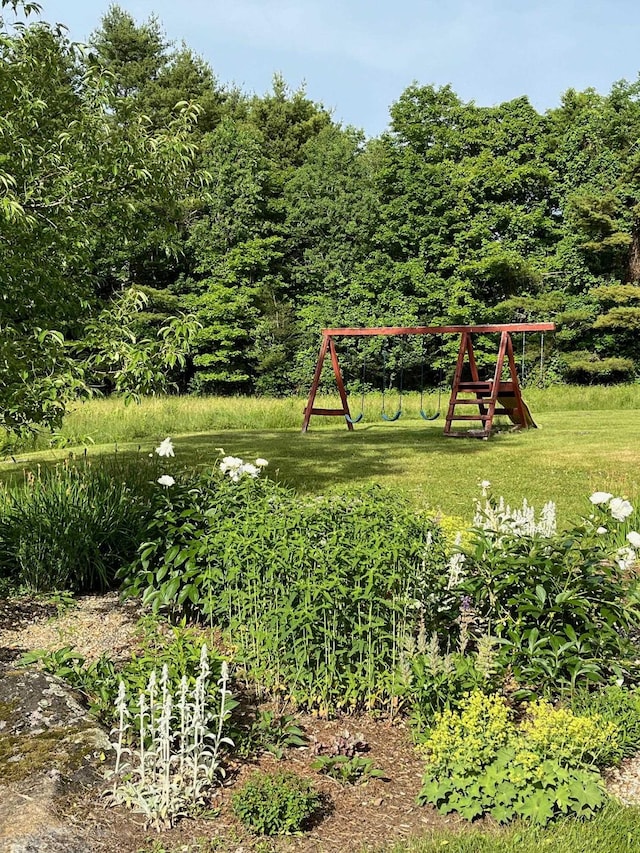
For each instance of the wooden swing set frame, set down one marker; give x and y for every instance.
(492, 397)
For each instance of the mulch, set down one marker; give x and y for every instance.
(360, 817)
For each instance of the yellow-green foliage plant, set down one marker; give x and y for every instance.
(479, 761)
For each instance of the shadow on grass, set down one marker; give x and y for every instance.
(316, 460)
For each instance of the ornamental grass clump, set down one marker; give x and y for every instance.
(74, 525)
(176, 763)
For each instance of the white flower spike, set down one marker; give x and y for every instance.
(634, 538)
(166, 480)
(165, 448)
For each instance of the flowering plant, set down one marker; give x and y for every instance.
(611, 517)
(237, 468)
(558, 602)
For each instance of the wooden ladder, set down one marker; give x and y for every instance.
(486, 394)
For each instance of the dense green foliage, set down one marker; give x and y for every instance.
(73, 526)
(275, 804)
(558, 606)
(178, 648)
(129, 165)
(479, 761)
(319, 595)
(352, 600)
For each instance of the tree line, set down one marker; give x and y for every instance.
(161, 229)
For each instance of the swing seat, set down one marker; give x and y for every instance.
(355, 420)
(391, 418)
(426, 417)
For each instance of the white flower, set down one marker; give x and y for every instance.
(601, 530)
(165, 448)
(261, 463)
(600, 497)
(634, 538)
(166, 480)
(625, 558)
(620, 509)
(485, 485)
(236, 468)
(230, 463)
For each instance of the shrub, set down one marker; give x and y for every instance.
(479, 762)
(275, 804)
(616, 705)
(73, 526)
(558, 604)
(318, 594)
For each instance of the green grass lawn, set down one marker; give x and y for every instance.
(573, 453)
(615, 830)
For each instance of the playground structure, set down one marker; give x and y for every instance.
(493, 397)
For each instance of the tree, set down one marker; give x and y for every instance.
(76, 184)
(598, 163)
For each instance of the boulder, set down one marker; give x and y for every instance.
(49, 747)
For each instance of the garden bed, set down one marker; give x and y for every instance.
(357, 816)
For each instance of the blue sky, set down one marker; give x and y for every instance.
(357, 56)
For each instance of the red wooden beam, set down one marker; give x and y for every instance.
(439, 330)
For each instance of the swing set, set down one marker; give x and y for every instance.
(495, 396)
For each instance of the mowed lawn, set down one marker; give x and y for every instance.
(573, 453)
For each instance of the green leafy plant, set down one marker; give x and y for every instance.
(613, 704)
(273, 733)
(342, 759)
(558, 605)
(178, 648)
(479, 762)
(73, 526)
(349, 771)
(275, 804)
(318, 595)
(436, 680)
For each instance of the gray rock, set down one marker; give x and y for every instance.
(49, 745)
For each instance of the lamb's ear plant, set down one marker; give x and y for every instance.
(173, 769)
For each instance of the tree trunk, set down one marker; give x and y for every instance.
(633, 269)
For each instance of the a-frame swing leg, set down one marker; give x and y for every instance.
(328, 345)
(480, 390)
(486, 394)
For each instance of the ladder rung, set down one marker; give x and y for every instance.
(469, 417)
(467, 433)
(467, 402)
(475, 386)
(328, 412)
